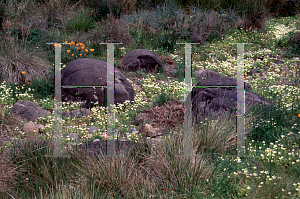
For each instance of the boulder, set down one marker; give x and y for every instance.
(28, 110)
(141, 59)
(214, 102)
(85, 71)
(203, 74)
(78, 113)
(170, 66)
(30, 128)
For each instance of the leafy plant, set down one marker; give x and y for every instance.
(77, 50)
(161, 99)
(167, 40)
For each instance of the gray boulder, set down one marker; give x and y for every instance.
(28, 110)
(204, 74)
(214, 102)
(140, 58)
(85, 71)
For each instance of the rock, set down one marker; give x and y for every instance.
(28, 110)
(173, 73)
(40, 126)
(168, 60)
(30, 128)
(253, 71)
(219, 81)
(279, 61)
(283, 80)
(131, 130)
(73, 136)
(155, 141)
(203, 74)
(144, 129)
(78, 113)
(214, 59)
(85, 71)
(138, 88)
(140, 58)
(140, 118)
(211, 102)
(285, 69)
(262, 56)
(294, 64)
(92, 129)
(152, 134)
(263, 75)
(170, 66)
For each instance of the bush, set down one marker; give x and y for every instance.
(101, 8)
(161, 99)
(81, 21)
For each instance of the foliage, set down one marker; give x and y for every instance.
(82, 21)
(161, 99)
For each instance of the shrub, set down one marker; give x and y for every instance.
(81, 21)
(295, 43)
(17, 59)
(101, 8)
(161, 99)
(111, 30)
(167, 40)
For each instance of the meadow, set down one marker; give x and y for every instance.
(271, 167)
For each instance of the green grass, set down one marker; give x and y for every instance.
(271, 169)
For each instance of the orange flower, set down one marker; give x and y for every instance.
(76, 44)
(80, 44)
(66, 42)
(263, 103)
(299, 115)
(72, 54)
(78, 48)
(92, 50)
(27, 82)
(82, 48)
(86, 50)
(68, 51)
(58, 45)
(23, 72)
(80, 55)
